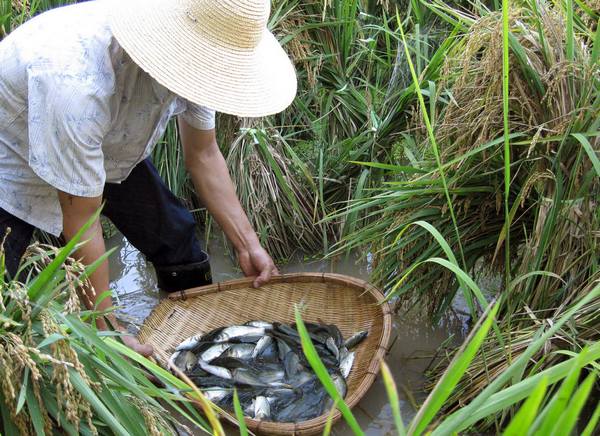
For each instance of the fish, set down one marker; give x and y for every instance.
(184, 360)
(265, 379)
(339, 383)
(219, 371)
(216, 395)
(262, 408)
(355, 339)
(332, 347)
(239, 351)
(265, 362)
(283, 348)
(262, 344)
(346, 364)
(291, 364)
(262, 324)
(214, 352)
(237, 332)
(189, 343)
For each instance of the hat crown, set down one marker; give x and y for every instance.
(235, 23)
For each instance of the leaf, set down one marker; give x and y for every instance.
(526, 414)
(550, 414)
(35, 413)
(23, 391)
(571, 414)
(392, 393)
(46, 275)
(317, 365)
(585, 143)
(469, 414)
(453, 373)
(237, 407)
(50, 340)
(592, 423)
(87, 393)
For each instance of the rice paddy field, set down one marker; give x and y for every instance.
(453, 146)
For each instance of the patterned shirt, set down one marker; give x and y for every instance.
(75, 112)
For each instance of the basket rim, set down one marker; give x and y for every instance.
(315, 424)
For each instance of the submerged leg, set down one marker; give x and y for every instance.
(157, 223)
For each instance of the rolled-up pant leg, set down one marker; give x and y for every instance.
(16, 242)
(155, 221)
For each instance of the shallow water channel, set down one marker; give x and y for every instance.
(414, 341)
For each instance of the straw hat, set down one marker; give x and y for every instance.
(215, 53)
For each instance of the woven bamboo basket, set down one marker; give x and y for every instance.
(351, 304)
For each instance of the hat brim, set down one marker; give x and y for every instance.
(159, 37)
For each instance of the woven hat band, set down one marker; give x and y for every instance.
(235, 23)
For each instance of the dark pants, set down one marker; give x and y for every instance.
(150, 217)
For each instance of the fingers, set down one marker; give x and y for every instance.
(265, 276)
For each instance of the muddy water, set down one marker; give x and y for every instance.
(414, 341)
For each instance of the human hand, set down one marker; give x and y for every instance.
(256, 262)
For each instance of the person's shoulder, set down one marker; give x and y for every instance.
(74, 38)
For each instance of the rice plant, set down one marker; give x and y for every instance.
(58, 373)
(553, 107)
(551, 400)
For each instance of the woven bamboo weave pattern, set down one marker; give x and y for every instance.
(349, 303)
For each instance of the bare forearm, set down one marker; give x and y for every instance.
(214, 187)
(76, 212)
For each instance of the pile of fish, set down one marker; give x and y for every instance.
(264, 362)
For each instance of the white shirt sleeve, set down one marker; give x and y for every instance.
(68, 118)
(199, 117)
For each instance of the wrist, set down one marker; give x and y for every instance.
(247, 242)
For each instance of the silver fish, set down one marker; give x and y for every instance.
(333, 348)
(214, 352)
(346, 364)
(249, 409)
(340, 384)
(238, 331)
(283, 348)
(262, 379)
(215, 370)
(291, 364)
(216, 395)
(184, 360)
(262, 345)
(262, 408)
(239, 351)
(189, 343)
(261, 324)
(356, 339)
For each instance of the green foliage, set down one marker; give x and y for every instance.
(59, 373)
(542, 411)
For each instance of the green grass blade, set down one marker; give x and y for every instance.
(527, 413)
(512, 395)
(239, 414)
(568, 420)
(431, 135)
(507, 158)
(317, 365)
(23, 391)
(48, 273)
(453, 373)
(469, 414)
(592, 423)
(97, 405)
(585, 143)
(329, 422)
(549, 416)
(392, 393)
(35, 413)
